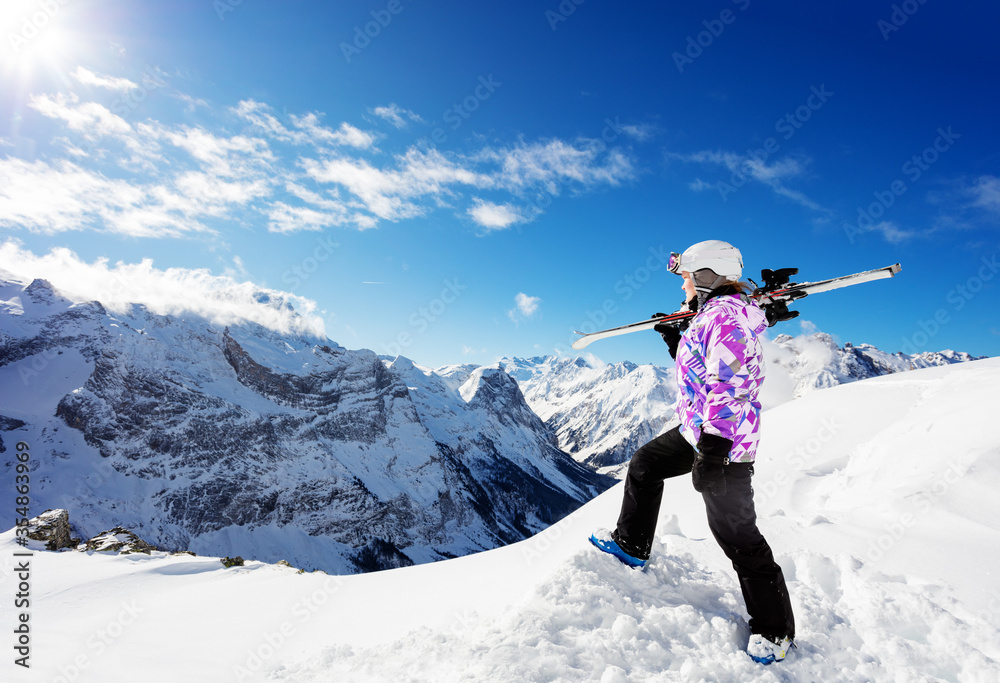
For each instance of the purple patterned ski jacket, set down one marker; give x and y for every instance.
(720, 369)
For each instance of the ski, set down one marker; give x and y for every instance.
(774, 297)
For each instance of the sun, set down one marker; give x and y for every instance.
(35, 35)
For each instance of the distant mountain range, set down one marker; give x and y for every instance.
(602, 412)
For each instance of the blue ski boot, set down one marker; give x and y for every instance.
(604, 541)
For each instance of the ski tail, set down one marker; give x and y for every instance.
(588, 338)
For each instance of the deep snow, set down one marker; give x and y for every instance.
(878, 497)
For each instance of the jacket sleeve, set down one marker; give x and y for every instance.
(727, 377)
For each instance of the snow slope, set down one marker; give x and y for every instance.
(878, 498)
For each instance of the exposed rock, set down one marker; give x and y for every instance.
(119, 540)
(228, 562)
(52, 528)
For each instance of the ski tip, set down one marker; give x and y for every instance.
(581, 342)
(895, 268)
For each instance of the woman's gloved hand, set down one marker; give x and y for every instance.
(671, 334)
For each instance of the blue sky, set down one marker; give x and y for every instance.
(461, 181)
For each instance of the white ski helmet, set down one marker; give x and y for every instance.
(720, 257)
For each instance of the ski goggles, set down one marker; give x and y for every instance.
(674, 263)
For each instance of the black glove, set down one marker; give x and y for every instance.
(671, 334)
(708, 473)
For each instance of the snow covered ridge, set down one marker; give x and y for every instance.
(243, 441)
(601, 413)
(880, 511)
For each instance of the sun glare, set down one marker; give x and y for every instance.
(35, 35)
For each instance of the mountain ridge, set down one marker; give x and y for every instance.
(243, 440)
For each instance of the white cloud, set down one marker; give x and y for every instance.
(64, 196)
(494, 216)
(305, 129)
(191, 103)
(395, 114)
(170, 178)
(890, 231)
(226, 156)
(773, 175)
(986, 193)
(551, 164)
(347, 135)
(641, 132)
(90, 118)
(88, 77)
(174, 291)
(525, 307)
(394, 194)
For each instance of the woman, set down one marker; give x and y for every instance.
(720, 369)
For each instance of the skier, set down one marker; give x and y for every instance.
(720, 369)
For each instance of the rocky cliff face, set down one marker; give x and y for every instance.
(243, 441)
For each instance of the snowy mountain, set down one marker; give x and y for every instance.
(240, 440)
(602, 412)
(881, 514)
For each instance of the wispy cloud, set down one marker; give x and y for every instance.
(555, 163)
(175, 291)
(396, 115)
(494, 216)
(774, 175)
(88, 77)
(985, 193)
(301, 130)
(396, 193)
(891, 232)
(89, 118)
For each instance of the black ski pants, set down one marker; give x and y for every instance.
(731, 517)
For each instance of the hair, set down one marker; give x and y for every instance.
(734, 288)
